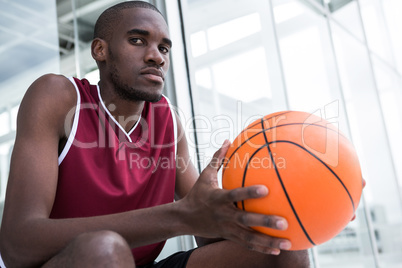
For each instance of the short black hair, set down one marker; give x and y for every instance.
(110, 17)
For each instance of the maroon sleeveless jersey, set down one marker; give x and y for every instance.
(105, 170)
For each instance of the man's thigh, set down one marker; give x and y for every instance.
(229, 254)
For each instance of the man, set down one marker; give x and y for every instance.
(79, 192)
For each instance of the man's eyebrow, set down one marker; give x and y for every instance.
(147, 33)
(138, 31)
(167, 41)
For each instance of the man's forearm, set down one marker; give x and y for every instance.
(34, 241)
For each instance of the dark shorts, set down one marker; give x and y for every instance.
(177, 260)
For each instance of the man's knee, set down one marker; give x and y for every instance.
(94, 249)
(102, 244)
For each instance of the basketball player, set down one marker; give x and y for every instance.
(95, 169)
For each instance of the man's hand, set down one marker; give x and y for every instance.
(210, 211)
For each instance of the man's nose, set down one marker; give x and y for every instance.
(154, 55)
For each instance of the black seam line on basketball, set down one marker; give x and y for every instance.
(226, 161)
(290, 124)
(265, 119)
(249, 127)
(246, 168)
(284, 189)
(322, 162)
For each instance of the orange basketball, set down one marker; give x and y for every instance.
(311, 170)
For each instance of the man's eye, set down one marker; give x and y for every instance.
(136, 41)
(164, 50)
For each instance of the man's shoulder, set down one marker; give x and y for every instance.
(51, 79)
(51, 84)
(50, 93)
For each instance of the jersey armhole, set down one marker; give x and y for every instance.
(174, 125)
(73, 132)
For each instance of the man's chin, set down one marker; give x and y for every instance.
(150, 95)
(156, 98)
(140, 95)
(147, 97)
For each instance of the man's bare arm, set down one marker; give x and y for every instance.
(28, 236)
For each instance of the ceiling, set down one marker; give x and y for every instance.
(32, 44)
(86, 11)
(27, 29)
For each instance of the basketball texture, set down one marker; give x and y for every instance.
(311, 170)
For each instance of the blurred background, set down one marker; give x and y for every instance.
(234, 61)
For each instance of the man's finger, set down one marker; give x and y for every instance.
(244, 193)
(250, 219)
(219, 156)
(261, 242)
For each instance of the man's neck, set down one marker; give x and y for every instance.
(125, 112)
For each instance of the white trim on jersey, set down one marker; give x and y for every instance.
(174, 125)
(71, 137)
(115, 121)
(2, 265)
(76, 119)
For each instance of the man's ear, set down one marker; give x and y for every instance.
(98, 49)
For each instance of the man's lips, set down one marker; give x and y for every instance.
(153, 74)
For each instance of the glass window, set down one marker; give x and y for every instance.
(393, 20)
(13, 114)
(232, 68)
(76, 21)
(389, 86)
(307, 58)
(307, 55)
(346, 14)
(4, 122)
(370, 138)
(5, 154)
(28, 49)
(312, 83)
(377, 32)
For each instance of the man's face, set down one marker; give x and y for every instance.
(139, 55)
